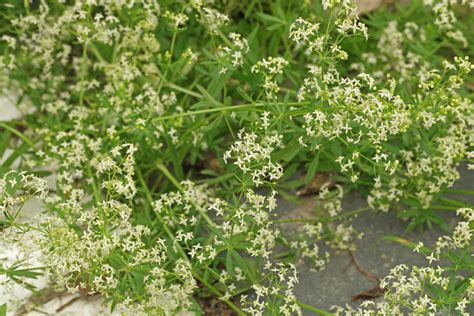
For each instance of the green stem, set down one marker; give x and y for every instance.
(168, 174)
(466, 192)
(173, 40)
(313, 220)
(83, 73)
(27, 6)
(444, 208)
(97, 195)
(183, 90)
(171, 236)
(16, 122)
(296, 220)
(313, 309)
(309, 307)
(218, 294)
(176, 183)
(97, 53)
(351, 213)
(225, 108)
(165, 227)
(454, 202)
(17, 133)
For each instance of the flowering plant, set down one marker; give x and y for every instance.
(169, 130)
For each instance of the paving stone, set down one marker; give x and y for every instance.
(341, 280)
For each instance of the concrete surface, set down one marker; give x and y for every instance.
(341, 280)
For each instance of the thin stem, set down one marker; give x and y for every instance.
(171, 236)
(95, 190)
(173, 40)
(17, 133)
(454, 202)
(312, 220)
(27, 6)
(83, 73)
(168, 174)
(183, 90)
(466, 192)
(97, 53)
(165, 227)
(175, 182)
(225, 108)
(351, 213)
(296, 220)
(313, 309)
(15, 122)
(218, 294)
(309, 307)
(444, 208)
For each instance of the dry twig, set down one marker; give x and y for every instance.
(372, 293)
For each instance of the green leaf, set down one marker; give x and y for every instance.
(139, 281)
(436, 290)
(30, 273)
(244, 95)
(452, 282)
(406, 243)
(391, 148)
(462, 285)
(4, 141)
(313, 167)
(219, 178)
(3, 309)
(131, 282)
(274, 27)
(270, 18)
(289, 152)
(196, 308)
(20, 150)
(207, 96)
(229, 263)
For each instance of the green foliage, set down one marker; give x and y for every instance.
(171, 127)
(3, 310)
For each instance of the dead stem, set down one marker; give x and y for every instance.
(361, 269)
(41, 299)
(373, 293)
(68, 303)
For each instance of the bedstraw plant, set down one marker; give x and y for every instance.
(168, 131)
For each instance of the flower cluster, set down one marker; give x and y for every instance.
(446, 19)
(252, 155)
(108, 244)
(214, 20)
(270, 68)
(393, 57)
(16, 188)
(233, 57)
(106, 165)
(354, 112)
